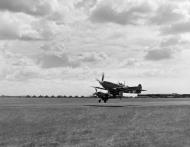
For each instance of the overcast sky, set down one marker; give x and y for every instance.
(61, 46)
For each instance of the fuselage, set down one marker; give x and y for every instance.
(112, 88)
(117, 89)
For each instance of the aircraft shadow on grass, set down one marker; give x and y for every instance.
(111, 106)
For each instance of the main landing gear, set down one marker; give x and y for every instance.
(105, 100)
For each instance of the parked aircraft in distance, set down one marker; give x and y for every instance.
(114, 90)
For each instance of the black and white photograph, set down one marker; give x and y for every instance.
(94, 73)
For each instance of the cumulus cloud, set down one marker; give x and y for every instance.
(54, 55)
(57, 59)
(174, 40)
(52, 10)
(159, 54)
(93, 57)
(54, 61)
(158, 72)
(32, 7)
(23, 74)
(106, 14)
(46, 29)
(85, 3)
(167, 14)
(131, 62)
(22, 27)
(178, 28)
(56, 48)
(8, 30)
(17, 67)
(13, 27)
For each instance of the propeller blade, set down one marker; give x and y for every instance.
(102, 77)
(98, 80)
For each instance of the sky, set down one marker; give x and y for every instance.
(59, 47)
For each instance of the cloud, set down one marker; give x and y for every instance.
(12, 27)
(54, 55)
(23, 74)
(54, 61)
(106, 14)
(15, 67)
(159, 54)
(52, 10)
(174, 40)
(178, 28)
(22, 27)
(45, 28)
(85, 3)
(93, 57)
(131, 62)
(158, 72)
(167, 14)
(32, 7)
(8, 30)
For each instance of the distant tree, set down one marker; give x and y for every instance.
(76, 96)
(46, 96)
(52, 96)
(28, 96)
(34, 96)
(40, 96)
(70, 96)
(82, 96)
(59, 96)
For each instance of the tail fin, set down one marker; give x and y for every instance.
(140, 87)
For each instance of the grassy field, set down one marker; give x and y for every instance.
(91, 126)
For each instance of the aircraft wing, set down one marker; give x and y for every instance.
(98, 87)
(128, 89)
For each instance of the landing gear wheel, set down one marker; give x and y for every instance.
(105, 101)
(99, 101)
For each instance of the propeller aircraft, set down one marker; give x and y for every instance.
(114, 90)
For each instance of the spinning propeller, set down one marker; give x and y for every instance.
(95, 93)
(102, 80)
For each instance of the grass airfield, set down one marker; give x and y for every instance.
(86, 123)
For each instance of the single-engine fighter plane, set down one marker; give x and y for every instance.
(115, 90)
